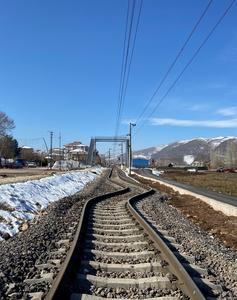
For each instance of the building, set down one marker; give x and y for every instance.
(27, 153)
(139, 162)
(57, 154)
(76, 151)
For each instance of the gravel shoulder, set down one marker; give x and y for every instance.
(169, 211)
(200, 213)
(19, 254)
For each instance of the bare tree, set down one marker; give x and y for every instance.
(8, 147)
(29, 154)
(6, 124)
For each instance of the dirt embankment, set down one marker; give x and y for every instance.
(200, 213)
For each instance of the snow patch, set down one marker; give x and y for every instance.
(26, 199)
(215, 142)
(189, 159)
(176, 144)
(140, 156)
(157, 173)
(159, 148)
(66, 165)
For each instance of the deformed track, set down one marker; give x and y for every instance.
(117, 254)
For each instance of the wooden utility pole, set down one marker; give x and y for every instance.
(130, 147)
(121, 153)
(51, 150)
(109, 156)
(60, 154)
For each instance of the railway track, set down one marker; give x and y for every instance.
(117, 254)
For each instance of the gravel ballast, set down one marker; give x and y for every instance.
(19, 254)
(127, 283)
(208, 252)
(34, 245)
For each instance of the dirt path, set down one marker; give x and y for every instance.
(22, 175)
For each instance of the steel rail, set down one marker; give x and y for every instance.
(186, 283)
(69, 266)
(130, 180)
(67, 270)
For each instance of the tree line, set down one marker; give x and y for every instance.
(8, 145)
(9, 148)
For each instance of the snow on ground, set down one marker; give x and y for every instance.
(157, 173)
(22, 201)
(189, 159)
(66, 165)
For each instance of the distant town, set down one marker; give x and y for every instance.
(198, 153)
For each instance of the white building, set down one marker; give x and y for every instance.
(76, 151)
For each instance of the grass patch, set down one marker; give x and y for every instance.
(200, 213)
(217, 182)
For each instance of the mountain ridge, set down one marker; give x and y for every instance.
(193, 150)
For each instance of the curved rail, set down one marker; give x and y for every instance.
(67, 269)
(186, 283)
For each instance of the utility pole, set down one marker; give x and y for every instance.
(130, 146)
(121, 153)
(60, 154)
(51, 150)
(109, 156)
(46, 147)
(41, 158)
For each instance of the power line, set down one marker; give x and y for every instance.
(175, 60)
(124, 62)
(189, 62)
(132, 21)
(132, 51)
(122, 68)
(122, 72)
(127, 58)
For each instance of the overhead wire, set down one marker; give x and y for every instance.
(128, 51)
(124, 65)
(175, 60)
(132, 52)
(123, 70)
(188, 64)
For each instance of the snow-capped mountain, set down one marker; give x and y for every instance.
(179, 152)
(188, 151)
(148, 152)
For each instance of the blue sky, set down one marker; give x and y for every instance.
(61, 60)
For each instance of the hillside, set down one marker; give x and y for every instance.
(219, 151)
(148, 152)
